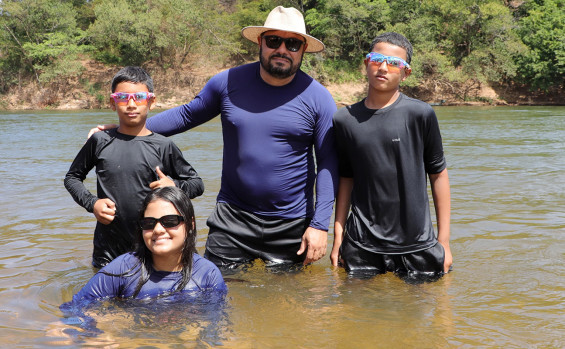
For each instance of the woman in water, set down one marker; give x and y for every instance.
(164, 260)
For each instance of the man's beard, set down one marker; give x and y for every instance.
(275, 70)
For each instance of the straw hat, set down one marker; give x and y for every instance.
(287, 19)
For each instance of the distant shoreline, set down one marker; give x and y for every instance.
(174, 88)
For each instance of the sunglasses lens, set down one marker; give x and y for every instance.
(377, 58)
(170, 221)
(272, 41)
(122, 98)
(140, 97)
(148, 223)
(393, 63)
(293, 45)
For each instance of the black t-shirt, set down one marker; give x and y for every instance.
(388, 153)
(125, 166)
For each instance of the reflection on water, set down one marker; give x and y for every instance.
(182, 317)
(507, 289)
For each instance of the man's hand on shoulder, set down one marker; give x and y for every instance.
(100, 128)
(315, 242)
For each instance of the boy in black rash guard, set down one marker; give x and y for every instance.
(387, 144)
(130, 161)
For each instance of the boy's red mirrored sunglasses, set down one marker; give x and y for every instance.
(140, 98)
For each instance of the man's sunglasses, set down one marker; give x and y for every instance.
(168, 221)
(392, 62)
(140, 98)
(274, 42)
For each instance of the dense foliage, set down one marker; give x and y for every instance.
(454, 40)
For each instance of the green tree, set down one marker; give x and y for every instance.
(38, 37)
(347, 27)
(542, 28)
(461, 41)
(132, 32)
(124, 31)
(478, 36)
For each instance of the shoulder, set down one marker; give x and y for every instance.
(206, 273)
(103, 136)
(237, 76)
(243, 72)
(415, 105)
(164, 144)
(312, 96)
(159, 139)
(345, 114)
(313, 86)
(201, 263)
(121, 263)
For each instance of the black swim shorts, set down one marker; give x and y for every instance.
(237, 236)
(357, 259)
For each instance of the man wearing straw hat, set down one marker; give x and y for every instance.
(273, 117)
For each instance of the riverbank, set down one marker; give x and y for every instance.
(173, 88)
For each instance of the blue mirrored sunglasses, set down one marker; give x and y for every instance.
(391, 61)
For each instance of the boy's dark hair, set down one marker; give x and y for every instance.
(395, 39)
(137, 75)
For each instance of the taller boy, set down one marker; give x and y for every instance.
(387, 143)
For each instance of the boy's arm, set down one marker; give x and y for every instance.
(74, 179)
(441, 193)
(103, 209)
(182, 173)
(342, 205)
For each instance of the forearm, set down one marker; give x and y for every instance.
(325, 197)
(183, 174)
(343, 204)
(79, 193)
(442, 202)
(193, 186)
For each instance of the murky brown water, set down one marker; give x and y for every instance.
(507, 170)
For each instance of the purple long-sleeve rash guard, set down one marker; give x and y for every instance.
(269, 167)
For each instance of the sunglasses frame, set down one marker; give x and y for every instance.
(142, 101)
(161, 220)
(281, 40)
(391, 61)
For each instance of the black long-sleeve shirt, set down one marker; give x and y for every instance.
(125, 166)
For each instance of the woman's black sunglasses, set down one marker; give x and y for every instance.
(274, 42)
(168, 221)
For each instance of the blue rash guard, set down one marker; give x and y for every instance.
(268, 132)
(205, 278)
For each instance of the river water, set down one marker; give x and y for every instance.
(507, 289)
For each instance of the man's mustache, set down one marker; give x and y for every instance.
(280, 55)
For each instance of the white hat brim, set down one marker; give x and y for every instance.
(253, 32)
